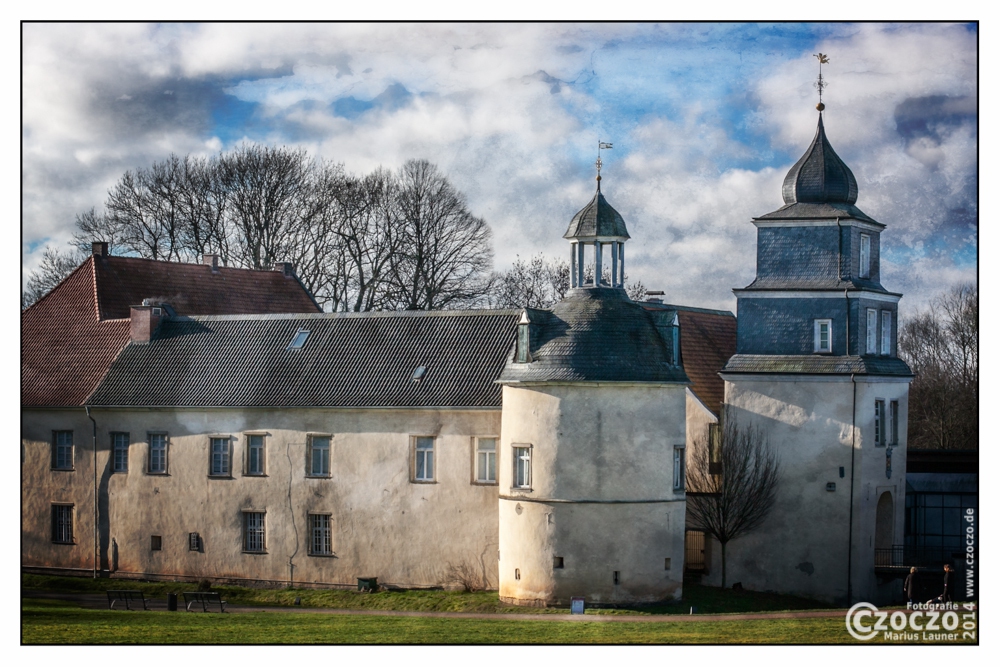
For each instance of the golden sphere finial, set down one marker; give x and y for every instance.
(820, 106)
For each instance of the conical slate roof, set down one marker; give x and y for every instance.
(820, 176)
(598, 218)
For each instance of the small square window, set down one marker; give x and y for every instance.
(158, 453)
(666, 563)
(319, 456)
(156, 542)
(486, 460)
(119, 447)
(517, 574)
(557, 562)
(220, 449)
(62, 524)
(321, 538)
(423, 459)
(822, 336)
(253, 532)
(255, 455)
(522, 467)
(62, 450)
(194, 542)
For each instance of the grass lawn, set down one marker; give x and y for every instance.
(705, 599)
(49, 621)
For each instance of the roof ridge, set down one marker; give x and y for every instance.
(483, 312)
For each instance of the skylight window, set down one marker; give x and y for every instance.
(299, 340)
(419, 373)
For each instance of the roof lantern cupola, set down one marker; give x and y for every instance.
(599, 226)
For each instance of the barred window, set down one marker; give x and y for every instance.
(253, 532)
(119, 446)
(321, 543)
(158, 453)
(220, 457)
(62, 524)
(62, 450)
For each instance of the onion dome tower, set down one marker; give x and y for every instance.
(593, 427)
(816, 368)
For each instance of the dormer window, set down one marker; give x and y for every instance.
(299, 340)
(865, 269)
(822, 337)
(523, 353)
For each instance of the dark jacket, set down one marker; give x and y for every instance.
(948, 579)
(909, 584)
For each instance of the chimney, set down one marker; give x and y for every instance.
(653, 296)
(144, 321)
(212, 260)
(287, 269)
(99, 248)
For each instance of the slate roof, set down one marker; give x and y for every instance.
(348, 360)
(708, 340)
(595, 335)
(819, 186)
(70, 336)
(816, 364)
(597, 218)
(784, 283)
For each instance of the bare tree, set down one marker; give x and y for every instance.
(536, 283)
(732, 482)
(444, 253)
(941, 346)
(51, 271)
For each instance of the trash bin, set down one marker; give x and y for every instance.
(171, 601)
(369, 584)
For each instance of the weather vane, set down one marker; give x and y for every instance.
(601, 145)
(820, 83)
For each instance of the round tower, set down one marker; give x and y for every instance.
(593, 429)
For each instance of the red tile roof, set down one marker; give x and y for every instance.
(707, 341)
(70, 337)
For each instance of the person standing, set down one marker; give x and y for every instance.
(948, 578)
(909, 585)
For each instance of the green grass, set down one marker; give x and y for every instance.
(705, 599)
(50, 621)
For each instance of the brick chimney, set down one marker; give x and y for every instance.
(287, 269)
(212, 260)
(144, 321)
(99, 248)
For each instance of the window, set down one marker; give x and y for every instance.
(119, 448)
(865, 268)
(522, 467)
(220, 457)
(893, 423)
(486, 460)
(194, 542)
(678, 468)
(62, 524)
(886, 332)
(298, 340)
(62, 450)
(320, 542)
(523, 343)
(319, 456)
(872, 333)
(158, 453)
(423, 459)
(714, 450)
(822, 340)
(557, 562)
(255, 455)
(880, 423)
(156, 543)
(253, 532)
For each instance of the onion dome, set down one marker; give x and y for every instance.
(597, 219)
(820, 176)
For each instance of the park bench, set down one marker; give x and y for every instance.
(128, 597)
(205, 599)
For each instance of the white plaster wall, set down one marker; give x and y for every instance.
(384, 524)
(803, 546)
(600, 454)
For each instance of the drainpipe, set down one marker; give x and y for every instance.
(850, 515)
(96, 552)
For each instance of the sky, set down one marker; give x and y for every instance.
(705, 118)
